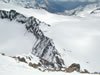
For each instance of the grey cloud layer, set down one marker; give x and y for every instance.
(80, 0)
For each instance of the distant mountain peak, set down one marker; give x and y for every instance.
(53, 6)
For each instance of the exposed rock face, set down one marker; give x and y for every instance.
(22, 59)
(43, 46)
(2, 54)
(73, 67)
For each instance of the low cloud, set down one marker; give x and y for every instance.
(79, 0)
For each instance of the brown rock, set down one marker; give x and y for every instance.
(86, 71)
(22, 59)
(30, 64)
(73, 67)
(35, 65)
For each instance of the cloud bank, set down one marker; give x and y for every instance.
(79, 0)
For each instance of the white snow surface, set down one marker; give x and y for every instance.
(10, 66)
(76, 38)
(78, 41)
(14, 39)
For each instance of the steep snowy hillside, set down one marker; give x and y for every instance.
(76, 39)
(43, 47)
(14, 38)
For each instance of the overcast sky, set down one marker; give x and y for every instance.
(79, 0)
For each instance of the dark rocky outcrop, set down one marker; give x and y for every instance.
(43, 46)
(73, 67)
(21, 59)
(34, 65)
(2, 54)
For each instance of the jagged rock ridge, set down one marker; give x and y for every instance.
(43, 47)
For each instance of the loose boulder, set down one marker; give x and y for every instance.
(73, 67)
(21, 59)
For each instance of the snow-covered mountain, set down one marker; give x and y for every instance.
(53, 41)
(54, 6)
(84, 10)
(28, 3)
(43, 47)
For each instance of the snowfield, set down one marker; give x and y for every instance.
(78, 41)
(76, 38)
(14, 38)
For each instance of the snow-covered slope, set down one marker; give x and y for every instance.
(10, 66)
(43, 47)
(14, 38)
(76, 38)
(78, 41)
